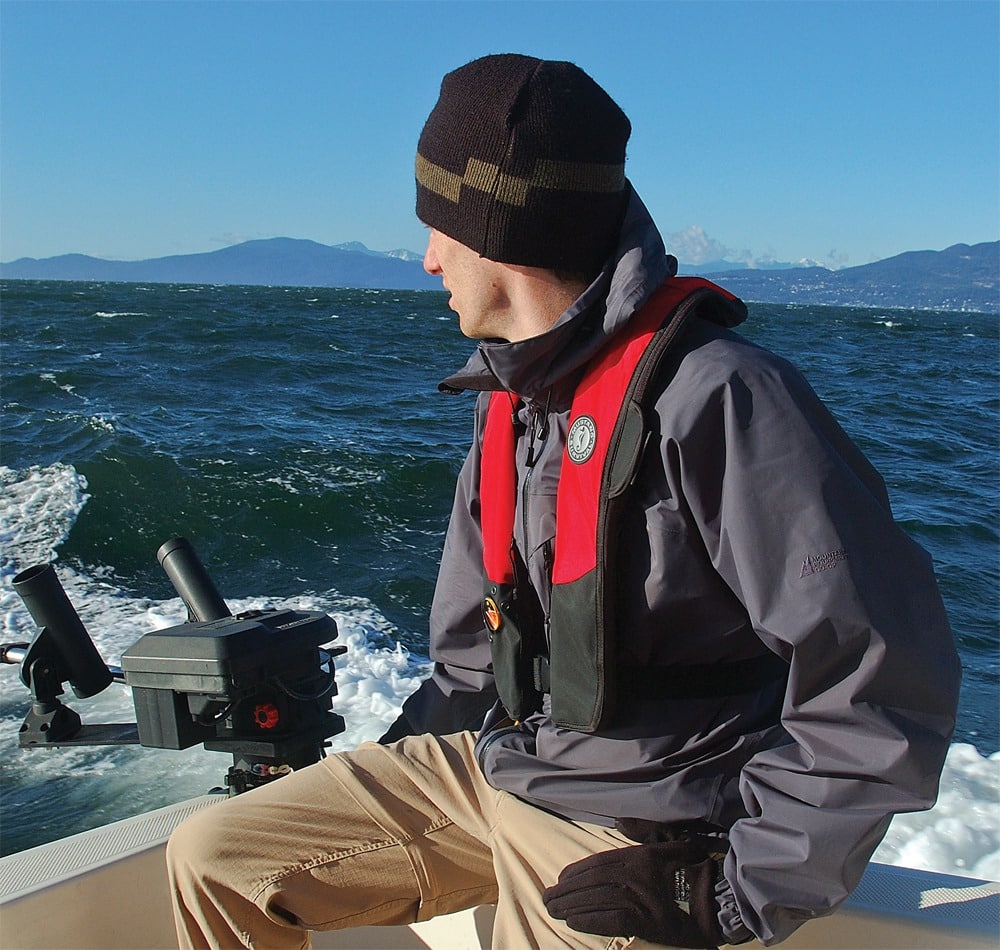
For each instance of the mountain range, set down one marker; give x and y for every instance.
(961, 277)
(273, 262)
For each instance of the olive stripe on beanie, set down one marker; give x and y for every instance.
(523, 160)
(565, 176)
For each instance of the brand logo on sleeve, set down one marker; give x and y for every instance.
(822, 562)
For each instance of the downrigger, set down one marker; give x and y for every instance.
(258, 685)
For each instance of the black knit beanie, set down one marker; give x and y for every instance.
(523, 160)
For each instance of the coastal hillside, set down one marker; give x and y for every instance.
(273, 262)
(961, 277)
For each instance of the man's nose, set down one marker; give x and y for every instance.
(431, 263)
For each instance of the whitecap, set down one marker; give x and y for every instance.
(102, 422)
(40, 505)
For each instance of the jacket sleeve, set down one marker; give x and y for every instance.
(460, 690)
(798, 524)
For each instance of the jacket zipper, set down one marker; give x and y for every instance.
(538, 431)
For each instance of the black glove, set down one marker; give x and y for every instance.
(662, 891)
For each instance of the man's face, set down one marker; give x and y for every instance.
(478, 287)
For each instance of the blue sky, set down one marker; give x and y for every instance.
(843, 132)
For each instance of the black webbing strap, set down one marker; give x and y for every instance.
(689, 681)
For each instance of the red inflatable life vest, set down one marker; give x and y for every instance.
(604, 442)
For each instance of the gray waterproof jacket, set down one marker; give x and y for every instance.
(754, 525)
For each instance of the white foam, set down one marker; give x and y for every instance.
(960, 834)
(40, 505)
(51, 378)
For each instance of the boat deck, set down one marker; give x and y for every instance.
(107, 888)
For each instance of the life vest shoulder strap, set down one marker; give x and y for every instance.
(606, 423)
(498, 487)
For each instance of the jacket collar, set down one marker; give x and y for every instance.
(533, 366)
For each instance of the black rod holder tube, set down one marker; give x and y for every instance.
(50, 608)
(190, 579)
(13, 653)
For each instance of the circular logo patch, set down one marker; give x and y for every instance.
(582, 439)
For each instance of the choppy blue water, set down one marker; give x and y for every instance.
(296, 436)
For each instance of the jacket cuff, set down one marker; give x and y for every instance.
(733, 928)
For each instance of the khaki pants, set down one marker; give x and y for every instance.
(380, 835)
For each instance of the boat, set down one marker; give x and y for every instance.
(107, 888)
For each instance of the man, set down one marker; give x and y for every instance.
(721, 666)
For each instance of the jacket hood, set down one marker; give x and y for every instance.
(638, 267)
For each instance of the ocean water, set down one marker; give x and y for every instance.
(296, 437)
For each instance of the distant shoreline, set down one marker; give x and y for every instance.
(960, 279)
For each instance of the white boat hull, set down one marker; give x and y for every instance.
(107, 888)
